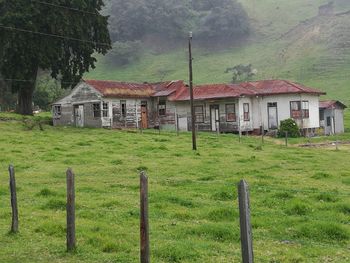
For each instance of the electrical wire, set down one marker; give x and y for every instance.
(52, 35)
(64, 7)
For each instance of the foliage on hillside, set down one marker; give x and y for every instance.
(288, 40)
(132, 20)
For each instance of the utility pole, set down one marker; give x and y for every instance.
(194, 142)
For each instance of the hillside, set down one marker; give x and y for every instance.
(288, 40)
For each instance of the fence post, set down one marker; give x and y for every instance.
(245, 224)
(177, 125)
(239, 129)
(70, 211)
(144, 226)
(14, 225)
(286, 133)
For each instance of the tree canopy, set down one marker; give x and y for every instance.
(133, 19)
(60, 37)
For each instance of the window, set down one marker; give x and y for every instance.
(329, 121)
(299, 109)
(105, 109)
(199, 114)
(96, 107)
(306, 112)
(230, 112)
(162, 107)
(322, 115)
(246, 115)
(57, 111)
(123, 108)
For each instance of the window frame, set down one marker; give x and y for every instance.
(234, 119)
(201, 114)
(57, 113)
(162, 107)
(105, 110)
(303, 111)
(123, 109)
(96, 110)
(246, 114)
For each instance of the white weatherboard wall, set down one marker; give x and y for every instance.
(246, 125)
(283, 109)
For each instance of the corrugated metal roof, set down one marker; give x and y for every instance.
(213, 91)
(254, 88)
(122, 89)
(329, 104)
(272, 87)
(178, 91)
(134, 90)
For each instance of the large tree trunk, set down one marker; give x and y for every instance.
(25, 94)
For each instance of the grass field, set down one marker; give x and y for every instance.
(299, 197)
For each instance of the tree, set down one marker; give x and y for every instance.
(242, 73)
(47, 91)
(224, 19)
(60, 37)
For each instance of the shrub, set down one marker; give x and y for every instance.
(290, 126)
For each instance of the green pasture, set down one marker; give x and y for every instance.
(299, 197)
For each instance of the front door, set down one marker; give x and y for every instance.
(79, 115)
(272, 113)
(144, 116)
(214, 117)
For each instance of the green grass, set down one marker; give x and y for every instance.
(299, 197)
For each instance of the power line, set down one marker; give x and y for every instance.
(32, 80)
(52, 35)
(65, 7)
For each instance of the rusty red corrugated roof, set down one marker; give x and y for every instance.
(178, 91)
(211, 91)
(274, 87)
(122, 89)
(134, 90)
(253, 88)
(330, 104)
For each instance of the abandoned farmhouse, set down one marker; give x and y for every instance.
(250, 107)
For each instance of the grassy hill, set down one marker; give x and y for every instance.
(288, 40)
(300, 203)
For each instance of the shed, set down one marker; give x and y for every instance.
(332, 116)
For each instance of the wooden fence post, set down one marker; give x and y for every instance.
(70, 211)
(286, 133)
(245, 224)
(14, 225)
(177, 125)
(144, 226)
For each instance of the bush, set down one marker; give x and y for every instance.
(290, 126)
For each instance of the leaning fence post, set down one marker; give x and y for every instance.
(144, 226)
(286, 133)
(14, 225)
(70, 211)
(245, 224)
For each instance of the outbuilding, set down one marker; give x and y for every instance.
(332, 116)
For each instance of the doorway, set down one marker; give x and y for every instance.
(272, 115)
(79, 115)
(144, 115)
(214, 117)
